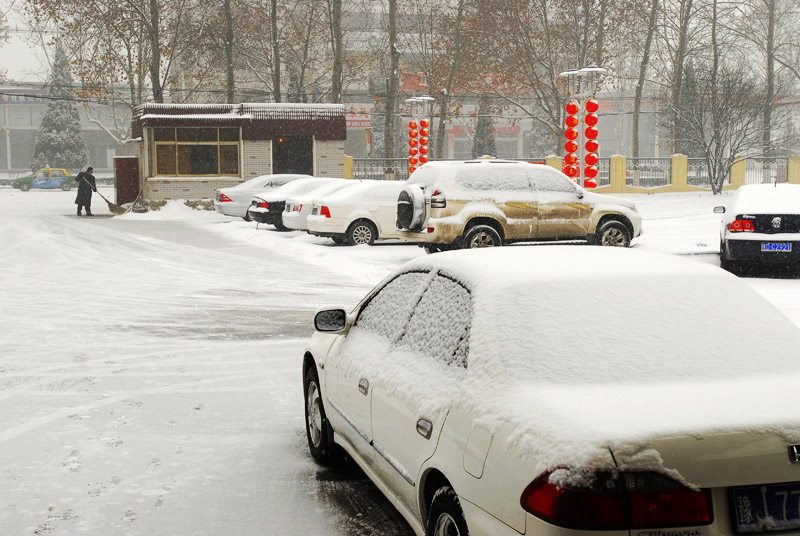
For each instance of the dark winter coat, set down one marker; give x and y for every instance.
(84, 196)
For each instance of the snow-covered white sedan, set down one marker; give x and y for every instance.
(357, 215)
(564, 390)
(298, 208)
(267, 207)
(235, 201)
(761, 223)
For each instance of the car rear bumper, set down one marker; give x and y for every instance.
(751, 249)
(231, 209)
(263, 215)
(327, 227)
(295, 220)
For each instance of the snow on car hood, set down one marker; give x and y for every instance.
(578, 349)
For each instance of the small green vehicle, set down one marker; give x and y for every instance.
(46, 178)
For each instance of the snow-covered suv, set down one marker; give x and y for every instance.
(484, 203)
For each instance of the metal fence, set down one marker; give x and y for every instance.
(697, 173)
(760, 170)
(649, 172)
(380, 168)
(603, 172)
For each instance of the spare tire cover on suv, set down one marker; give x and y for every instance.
(411, 208)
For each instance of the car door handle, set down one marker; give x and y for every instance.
(363, 386)
(424, 428)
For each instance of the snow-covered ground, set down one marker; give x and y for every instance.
(150, 366)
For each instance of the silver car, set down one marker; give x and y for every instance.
(235, 201)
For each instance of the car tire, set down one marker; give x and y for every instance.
(434, 248)
(339, 240)
(279, 226)
(481, 236)
(613, 233)
(445, 517)
(411, 208)
(362, 232)
(66, 186)
(318, 429)
(24, 186)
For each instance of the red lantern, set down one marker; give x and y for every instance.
(423, 141)
(589, 183)
(572, 108)
(571, 134)
(572, 171)
(571, 159)
(422, 159)
(592, 146)
(412, 152)
(411, 169)
(590, 120)
(412, 125)
(424, 123)
(591, 159)
(423, 132)
(412, 134)
(592, 106)
(570, 146)
(413, 160)
(571, 121)
(412, 142)
(423, 149)
(590, 133)
(590, 172)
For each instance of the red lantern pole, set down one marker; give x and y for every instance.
(582, 84)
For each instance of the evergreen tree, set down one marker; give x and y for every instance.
(483, 142)
(59, 142)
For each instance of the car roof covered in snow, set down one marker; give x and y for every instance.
(767, 199)
(297, 186)
(381, 192)
(486, 175)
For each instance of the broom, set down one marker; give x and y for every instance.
(113, 207)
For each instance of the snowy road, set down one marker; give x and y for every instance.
(149, 367)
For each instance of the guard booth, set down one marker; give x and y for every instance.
(186, 151)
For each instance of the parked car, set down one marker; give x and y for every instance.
(298, 208)
(267, 207)
(761, 223)
(484, 203)
(46, 178)
(235, 201)
(481, 397)
(358, 215)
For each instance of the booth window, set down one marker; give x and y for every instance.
(196, 151)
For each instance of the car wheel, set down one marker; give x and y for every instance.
(362, 232)
(614, 233)
(445, 517)
(24, 186)
(281, 227)
(482, 236)
(66, 186)
(318, 430)
(434, 248)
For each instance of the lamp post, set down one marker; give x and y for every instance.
(580, 162)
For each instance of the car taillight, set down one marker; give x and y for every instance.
(325, 211)
(742, 226)
(297, 208)
(263, 204)
(225, 199)
(438, 200)
(618, 501)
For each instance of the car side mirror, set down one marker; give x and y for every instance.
(719, 210)
(330, 320)
(580, 194)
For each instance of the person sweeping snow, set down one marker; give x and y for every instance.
(86, 185)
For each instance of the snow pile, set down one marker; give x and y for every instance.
(175, 210)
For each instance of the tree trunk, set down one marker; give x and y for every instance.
(718, 177)
(677, 78)
(448, 88)
(391, 94)
(637, 102)
(601, 23)
(276, 54)
(766, 140)
(229, 52)
(155, 60)
(337, 83)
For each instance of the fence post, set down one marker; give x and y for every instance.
(348, 167)
(793, 170)
(553, 161)
(738, 172)
(617, 173)
(680, 171)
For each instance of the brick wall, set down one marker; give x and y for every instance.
(256, 158)
(192, 189)
(329, 158)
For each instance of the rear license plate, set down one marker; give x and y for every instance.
(314, 211)
(766, 508)
(776, 246)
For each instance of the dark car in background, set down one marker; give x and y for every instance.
(761, 224)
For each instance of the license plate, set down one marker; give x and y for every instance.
(314, 211)
(776, 246)
(766, 508)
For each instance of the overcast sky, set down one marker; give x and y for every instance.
(22, 57)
